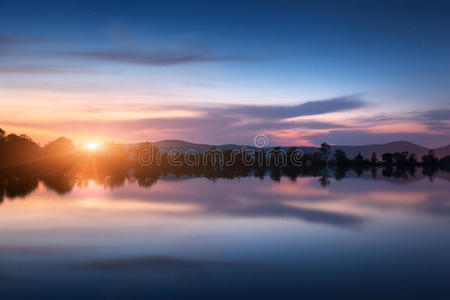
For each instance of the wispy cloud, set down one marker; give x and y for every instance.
(277, 125)
(156, 58)
(304, 109)
(227, 124)
(240, 123)
(436, 120)
(438, 115)
(42, 69)
(8, 40)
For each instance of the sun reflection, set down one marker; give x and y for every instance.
(91, 182)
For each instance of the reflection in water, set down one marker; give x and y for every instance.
(152, 262)
(20, 185)
(270, 235)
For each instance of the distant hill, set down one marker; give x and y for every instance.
(443, 151)
(351, 151)
(183, 146)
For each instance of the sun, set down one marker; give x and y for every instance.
(91, 146)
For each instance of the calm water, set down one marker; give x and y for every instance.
(245, 238)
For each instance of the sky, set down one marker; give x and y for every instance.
(299, 72)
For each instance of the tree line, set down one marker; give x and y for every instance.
(405, 158)
(60, 165)
(61, 156)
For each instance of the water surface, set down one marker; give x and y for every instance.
(248, 237)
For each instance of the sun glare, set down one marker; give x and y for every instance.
(91, 146)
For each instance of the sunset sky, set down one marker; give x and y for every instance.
(301, 73)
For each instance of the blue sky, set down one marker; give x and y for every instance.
(76, 68)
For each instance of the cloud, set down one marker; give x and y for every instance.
(208, 129)
(156, 58)
(291, 111)
(277, 125)
(226, 124)
(33, 250)
(436, 120)
(6, 40)
(39, 69)
(240, 123)
(438, 115)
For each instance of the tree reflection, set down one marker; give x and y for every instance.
(23, 183)
(13, 187)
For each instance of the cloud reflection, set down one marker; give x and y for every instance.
(309, 215)
(153, 262)
(347, 203)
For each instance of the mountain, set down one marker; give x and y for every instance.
(183, 146)
(443, 151)
(350, 151)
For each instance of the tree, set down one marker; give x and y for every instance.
(61, 145)
(374, 158)
(340, 157)
(324, 181)
(18, 150)
(58, 155)
(412, 160)
(294, 156)
(430, 159)
(445, 163)
(445, 160)
(2, 149)
(401, 158)
(387, 158)
(325, 151)
(2, 137)
(359, 159)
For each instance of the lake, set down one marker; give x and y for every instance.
(191, 238)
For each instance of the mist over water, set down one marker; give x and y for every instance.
(358, 237)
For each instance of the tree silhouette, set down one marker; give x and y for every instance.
(412, 160)
(430, 159)
(58, 146)
(359, 159)
(325, 151)
(387, 158)
(18, 150)
(401, 158)
(374, 158)
(59, 162)
(340, 157)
